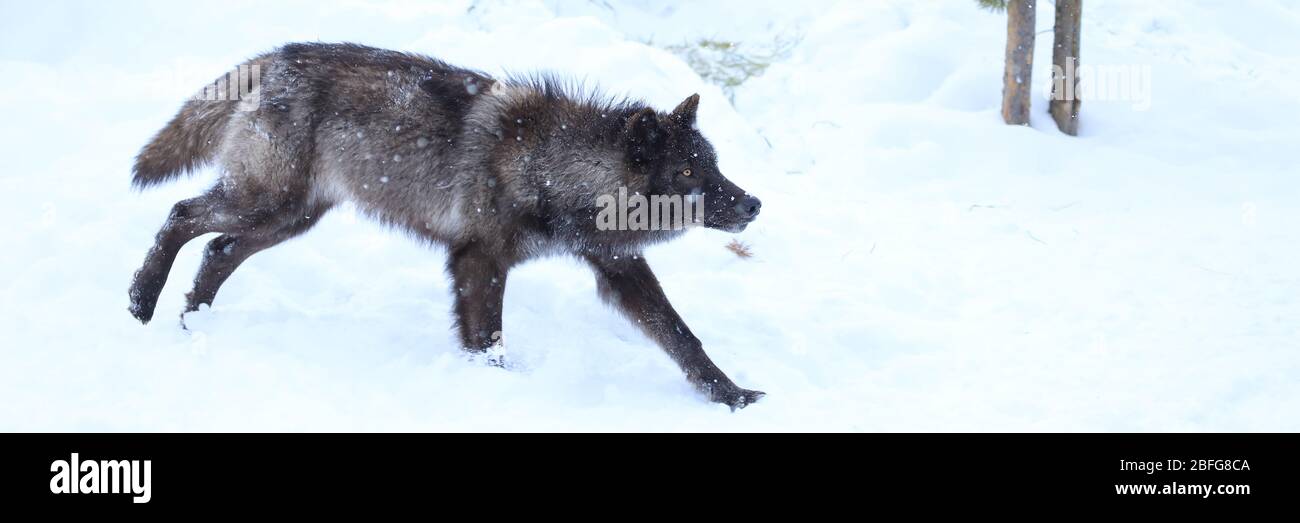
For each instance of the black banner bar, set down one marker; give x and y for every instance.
(158, 472)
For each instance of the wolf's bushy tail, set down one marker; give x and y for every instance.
(185, 144)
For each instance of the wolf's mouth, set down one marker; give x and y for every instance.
(733, 214)
(740, 227)
(728, 225)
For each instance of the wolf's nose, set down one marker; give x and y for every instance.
(749, 206)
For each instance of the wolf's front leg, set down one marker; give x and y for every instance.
(479, 283)
(628, 283)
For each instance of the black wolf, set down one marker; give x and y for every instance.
(497, 170)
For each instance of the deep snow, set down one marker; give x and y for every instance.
(918, 265)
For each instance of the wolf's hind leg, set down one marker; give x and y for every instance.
(479, 284)
(188, 219)
(225, 253)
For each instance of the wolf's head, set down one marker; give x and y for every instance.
(678, 161)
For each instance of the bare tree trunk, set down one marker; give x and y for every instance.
(1016, 82)
(1064, 106)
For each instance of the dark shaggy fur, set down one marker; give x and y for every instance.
(499, 171)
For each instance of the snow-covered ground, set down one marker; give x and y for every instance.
(918, 265)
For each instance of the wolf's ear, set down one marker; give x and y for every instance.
(685, 111)
(643, 135)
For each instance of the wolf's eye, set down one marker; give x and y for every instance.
(686, 172)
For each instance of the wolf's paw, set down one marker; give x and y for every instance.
(498, 360)
(141, 311)
(494, 356)
(735, 397)
(144, 298)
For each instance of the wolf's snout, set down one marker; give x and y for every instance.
(749, 207)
